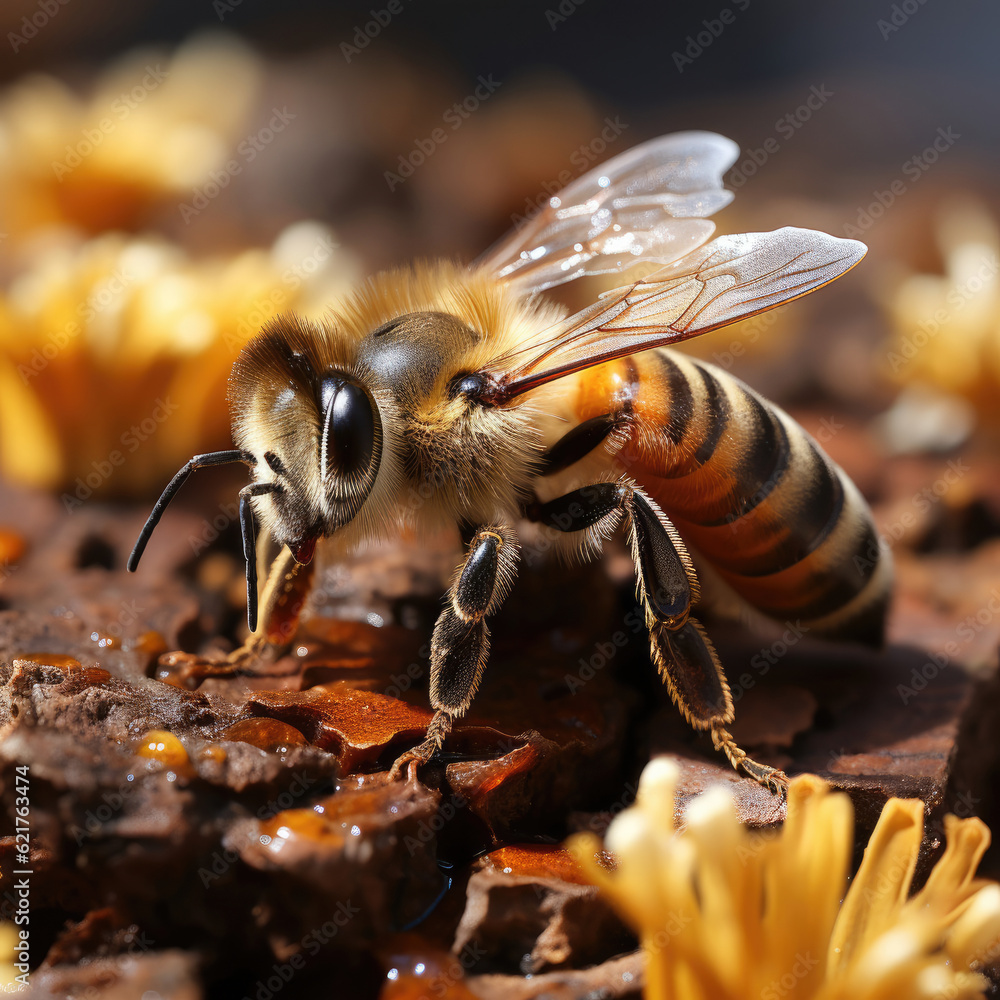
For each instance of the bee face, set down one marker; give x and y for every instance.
(314, 429)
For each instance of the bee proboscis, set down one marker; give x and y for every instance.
(469, 379)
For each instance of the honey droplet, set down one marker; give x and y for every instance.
(537, 861)
(216, 754)
(267, 734)
(291, 824)
(59, 660)
(151, 643)
(94, 675)
(164, 747)
(415, 968)
(12, 546)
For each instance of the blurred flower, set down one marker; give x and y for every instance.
(9, 941)
(114, 352)
(947, 327)
(152, 126)
(725, 913)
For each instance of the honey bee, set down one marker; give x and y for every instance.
(469, 379)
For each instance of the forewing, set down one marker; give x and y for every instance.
(647, 204)
(731, 278)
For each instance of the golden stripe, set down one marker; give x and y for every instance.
(749, 528)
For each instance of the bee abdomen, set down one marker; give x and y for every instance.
(754, 493)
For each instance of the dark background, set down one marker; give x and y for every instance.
(939, 68)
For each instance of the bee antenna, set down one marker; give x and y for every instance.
(198, 462)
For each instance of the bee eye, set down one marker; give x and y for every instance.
(348, 426)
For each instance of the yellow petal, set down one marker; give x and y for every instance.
(805, 875)
(975, 935)
(657, 788)
(879, 890)
(715, 833)
(951, 881)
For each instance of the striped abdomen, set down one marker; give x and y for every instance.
(749, 489)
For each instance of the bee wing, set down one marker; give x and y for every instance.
(647, 203)
(728, 279)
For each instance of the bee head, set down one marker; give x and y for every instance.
(314, 430)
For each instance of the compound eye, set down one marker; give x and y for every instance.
(349, 428)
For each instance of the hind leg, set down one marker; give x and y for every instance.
(667, 587)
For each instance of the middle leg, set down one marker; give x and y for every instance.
(460, 643)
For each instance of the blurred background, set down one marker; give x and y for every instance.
(174, 173)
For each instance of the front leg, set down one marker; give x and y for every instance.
(460, 645)
(667, 587)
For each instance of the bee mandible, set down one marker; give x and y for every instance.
(472, 380)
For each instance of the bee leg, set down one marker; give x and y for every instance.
(683, 654)
(689, 666)
(667, 586)
(460, 643)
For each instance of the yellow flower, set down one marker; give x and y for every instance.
(726, 914)
(145, 131)
(9, 940)
(115, 351)
(947, 326)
